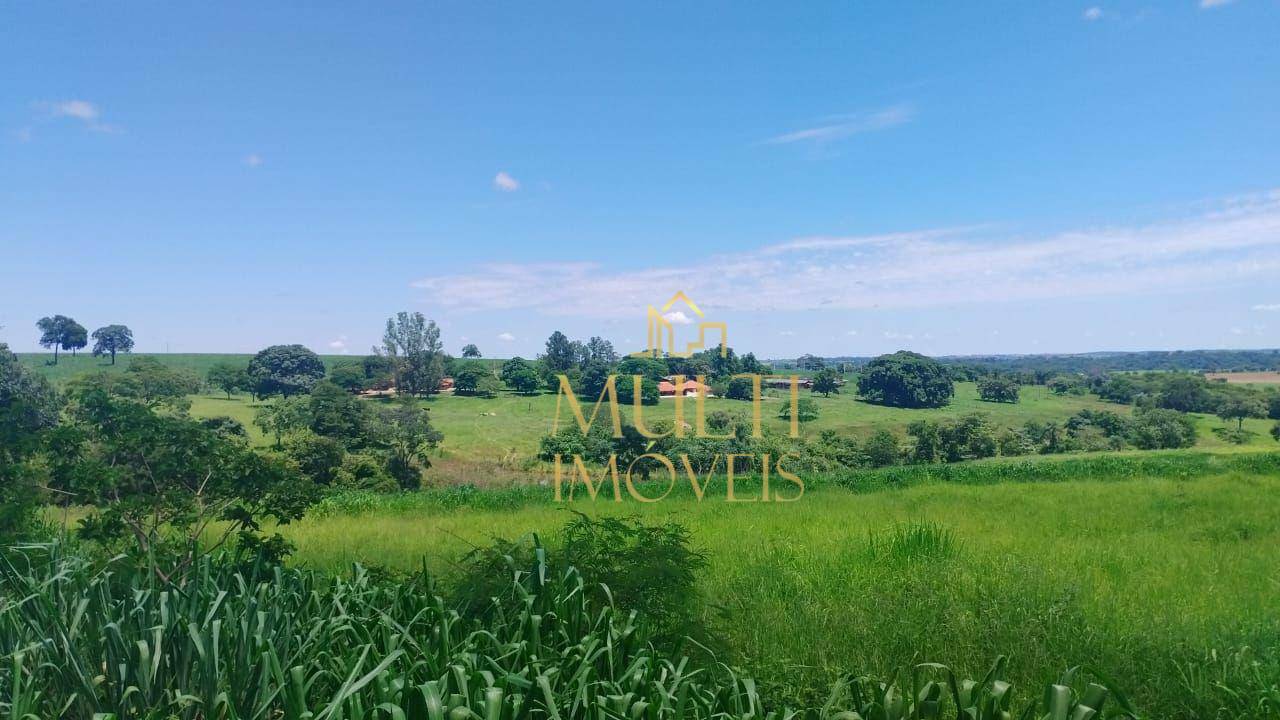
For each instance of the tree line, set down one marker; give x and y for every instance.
(60, 332)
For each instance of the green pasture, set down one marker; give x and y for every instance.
(1142, 578)
(509, 425)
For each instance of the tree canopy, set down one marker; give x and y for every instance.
(59, 332)
(112, 339)
(285, 370)
(906, 379)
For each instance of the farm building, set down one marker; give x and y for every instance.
(688, 388)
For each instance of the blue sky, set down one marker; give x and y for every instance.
(836, 178)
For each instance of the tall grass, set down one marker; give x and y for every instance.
(111, 642)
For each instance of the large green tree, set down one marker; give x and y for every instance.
(285, 370)
(112, 339)
(166, 484)
(906, 379)
(57, 332)
(417, 359)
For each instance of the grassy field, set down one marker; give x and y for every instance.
(510, 426)
(1140, 578)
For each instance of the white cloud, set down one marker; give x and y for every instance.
(787, 333)
(848, 125)
(506, 337)
(852, 333)
(1238, 239)
(1093, 13)
(893, 335)
(252, 160)
(1269, 307)
(505, 183)
(677, 317)
(1207, 4)
(82, 110)
(78, 109)
(339, 345)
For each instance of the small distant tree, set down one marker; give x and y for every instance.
(112, 339)
(76, 338)
(228, 377)
(560, 353)
(1275, 431)
(349, 376)
(470, 351)
(335, 413)
(1240, 408)
(56, 332)
(285, 370)
(468, 377)
(740, 388)
(826, 381)
(806, 410)
(601, 350)
(810, 362)
(1273, 406)
(594, 377)
(283, 417)
(520, 375)
(998, 389)
(489, 386)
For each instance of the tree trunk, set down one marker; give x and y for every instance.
(55, 354)
(113, 357)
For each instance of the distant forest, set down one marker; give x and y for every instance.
(1099, 362)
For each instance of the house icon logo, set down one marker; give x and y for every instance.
(660, 325)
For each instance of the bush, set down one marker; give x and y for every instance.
(806, 410)
(1155, 428)
(998, 389)
(651, 569)
(882, 448)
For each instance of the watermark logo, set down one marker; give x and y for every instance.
(661, 324)
(769, 478)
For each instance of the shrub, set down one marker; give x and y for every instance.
(882, 448)
(806, 410)
(998, 389)
(651, 569)
(1154, 429)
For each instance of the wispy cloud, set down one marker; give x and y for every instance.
(1093, 13)
(252, 160)
(84, 111)
(847, 125)
(1238, 238)
(1207, 4)
(677, 317)
(505, 183)
(506, 337)
(1269, 307)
